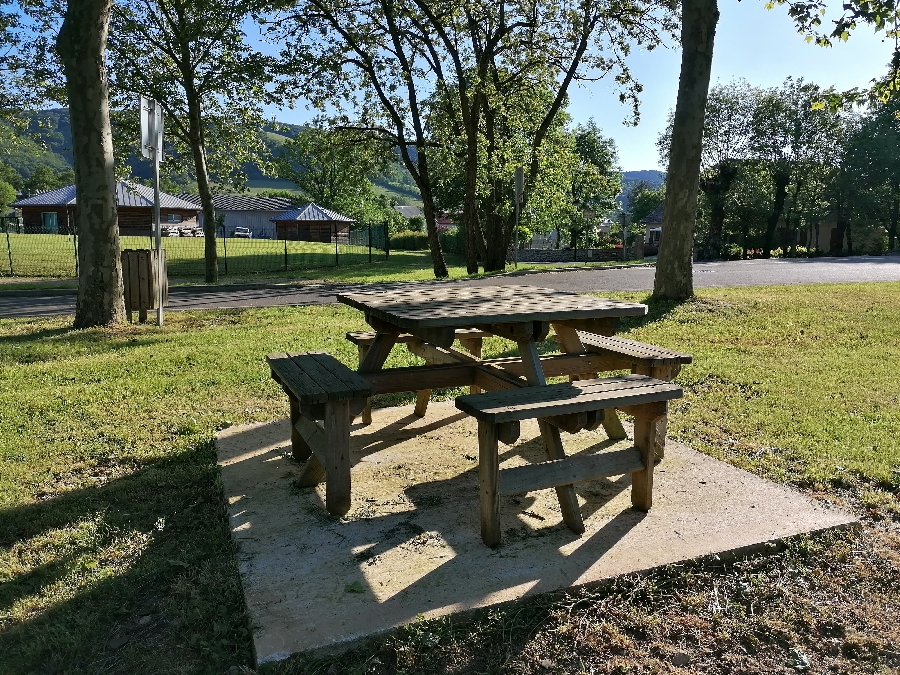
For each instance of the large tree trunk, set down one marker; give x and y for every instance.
(674, 271)
(782, 178)
(198, 150)
(81, 46)
(438, 263)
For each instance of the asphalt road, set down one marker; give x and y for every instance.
(706, 275)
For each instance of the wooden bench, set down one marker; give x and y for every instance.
(499, 413)
(639, 358)
(470, 338)
(319, 387)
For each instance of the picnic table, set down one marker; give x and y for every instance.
(504, 390)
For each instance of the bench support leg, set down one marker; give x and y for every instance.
(648, 425)
(568, 500)
(299, 448)
(667, 373)
(422, 397)
(489, 483)
(337, 449)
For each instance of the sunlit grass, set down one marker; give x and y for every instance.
(115, 554)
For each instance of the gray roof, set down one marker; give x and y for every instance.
(242, 202)
(312, 212)
(127, 194)
(409, 211)
(655, 217)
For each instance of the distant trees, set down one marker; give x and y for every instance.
(778, 163)
(643, 199)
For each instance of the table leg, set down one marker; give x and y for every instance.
(423, 396)
(367, 411)
(473, 346)
(488, 481)
(372, 362)
(568, 500)
(571, 344)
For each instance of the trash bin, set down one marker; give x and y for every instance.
(142, 282)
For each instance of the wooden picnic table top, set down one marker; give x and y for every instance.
(466, 306)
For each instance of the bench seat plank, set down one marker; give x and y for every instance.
(570, 397)
(317, 377)
(631, 349)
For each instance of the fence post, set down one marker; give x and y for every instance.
(225, 249)
(9, 249)
(285, 256)
(387, 240)
(336, 261)
(370, 242)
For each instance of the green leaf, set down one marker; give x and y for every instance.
(356, 587)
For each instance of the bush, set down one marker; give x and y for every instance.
(452, 240)
(408, 240)
(733, 252)
(416, 224)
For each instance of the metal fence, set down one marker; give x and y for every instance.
(46, 254)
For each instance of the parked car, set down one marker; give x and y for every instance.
(242, 233)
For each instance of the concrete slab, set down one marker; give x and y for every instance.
(411, 544)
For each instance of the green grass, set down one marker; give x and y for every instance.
(115, 554)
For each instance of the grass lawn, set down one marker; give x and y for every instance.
(115, 554)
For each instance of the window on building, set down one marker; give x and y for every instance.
(173, 218)
(49, 222)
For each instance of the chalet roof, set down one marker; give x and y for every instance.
(409, 211)
(655, 217)
(312, 212)
(242, 202)
(127, 194)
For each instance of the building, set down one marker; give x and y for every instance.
(312, 223)
(249, 211)
(53, 212)
(409, 211)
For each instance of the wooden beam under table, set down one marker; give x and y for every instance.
(443, 337)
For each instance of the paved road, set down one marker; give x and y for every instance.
(713, 274)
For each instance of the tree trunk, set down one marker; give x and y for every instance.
(782, 178)
(81, 46)
(716, 189)
(674, 265)
(434, 242)
(198, 150)
(895, 216)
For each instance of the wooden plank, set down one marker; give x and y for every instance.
(568, 500)
(440, 336)
(367, 411)
(468, 306)
(144, 295)
(396, 380)
(354, 382)
(493, 378)
(472, 345)
(301, 385)
(488, 483)
(598, 326)
(556, 365)
(567, 398)
(631, 349)
(575, 469)
(373, 361)
(334, 386)
(135, 283)
(299, 449)
(337, 465)
(422, 397)
(437, 355)
(462, 334)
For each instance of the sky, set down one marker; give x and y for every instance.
(759, 45)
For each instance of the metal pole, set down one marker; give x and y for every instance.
(225, 249)
(9, 249)
(336, 262)
(285, 256)
(370, 242)
(160, 271)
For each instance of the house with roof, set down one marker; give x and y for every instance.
(53, 212)
(250, 211)
(312, 223)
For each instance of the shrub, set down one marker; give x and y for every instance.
(409, 241)
(416, 224)
(452, 240)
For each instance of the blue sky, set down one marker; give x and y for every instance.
(759, 45)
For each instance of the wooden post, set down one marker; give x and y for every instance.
(337, 467)
(299, 449)
(372, 362)
(367, 411)
(473, 346)
(647, 427)
(489, 483)
(568, 500)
